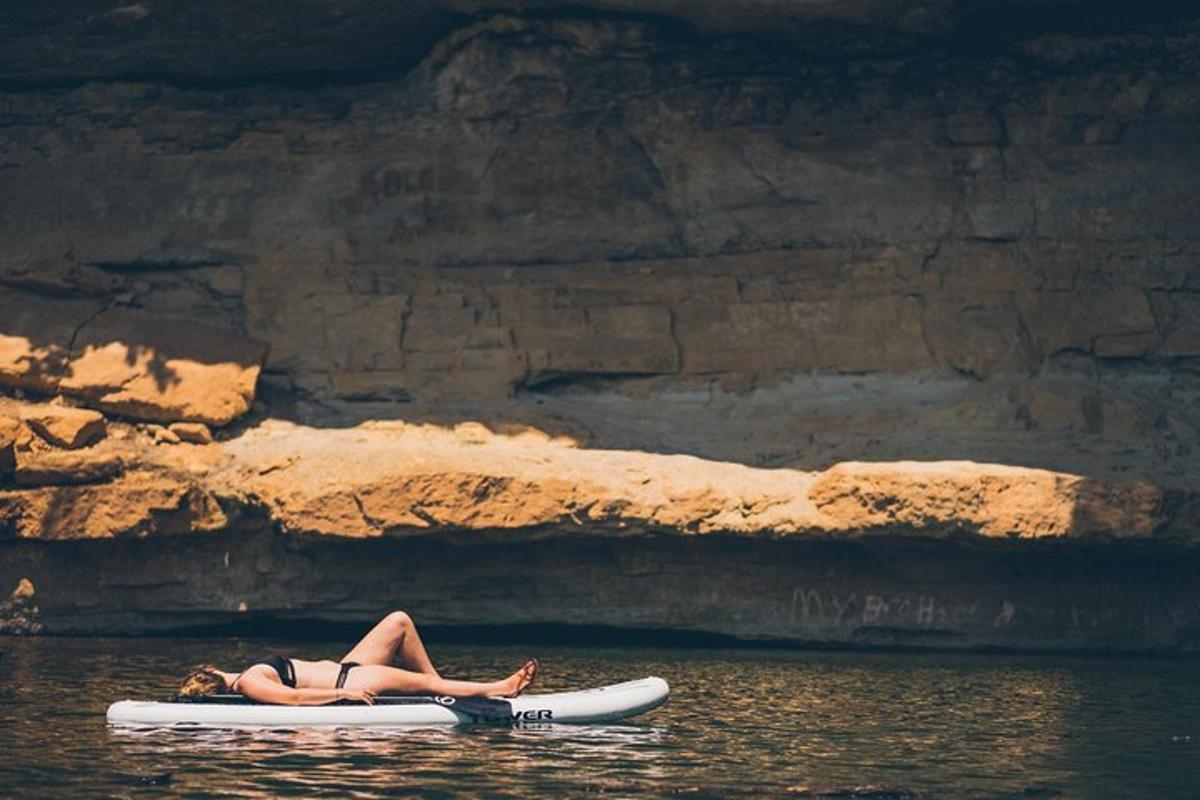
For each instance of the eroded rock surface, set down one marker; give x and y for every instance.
(10, 427)
(585, 205)
(193, 432)
(149, 367)
(70, 40)
(990, 499)
(898, 593)
(402, 479)
(245, 516)
(66, 427)
(611, 271)
(126, 361)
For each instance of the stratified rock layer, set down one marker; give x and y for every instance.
(126, 361)
(400, 479)
(922, 594)
(997, 238)
(66, 427)
(508, 525)
(841, 322)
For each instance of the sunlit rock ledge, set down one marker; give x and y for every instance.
(278, 525)
(403, 479)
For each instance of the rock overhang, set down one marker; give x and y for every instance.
(73, 41)
(403, 480)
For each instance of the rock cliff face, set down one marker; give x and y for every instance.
(604, 272)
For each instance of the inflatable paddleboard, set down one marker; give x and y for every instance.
(603, 704)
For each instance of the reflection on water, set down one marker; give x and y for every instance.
(311, 760)
(739, 723)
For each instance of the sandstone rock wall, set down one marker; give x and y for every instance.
(931, 595)
(126, 361)
(395, 479)
(561, 203)
(658, 275)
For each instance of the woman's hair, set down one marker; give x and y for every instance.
(202, 681)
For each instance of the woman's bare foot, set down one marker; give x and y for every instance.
(523, 678)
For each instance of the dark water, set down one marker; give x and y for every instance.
(740, 723)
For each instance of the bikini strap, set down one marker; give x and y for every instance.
(343, 672)
(290, 679)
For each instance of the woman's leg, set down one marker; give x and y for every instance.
(393, 634)
(380, 678)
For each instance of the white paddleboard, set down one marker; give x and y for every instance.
(603, 704)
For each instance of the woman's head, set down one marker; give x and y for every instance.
(203, 681)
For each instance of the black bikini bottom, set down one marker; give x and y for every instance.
(344, 671)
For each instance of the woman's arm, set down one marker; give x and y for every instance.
(264, 690)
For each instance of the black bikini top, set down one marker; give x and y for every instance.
(283, 666)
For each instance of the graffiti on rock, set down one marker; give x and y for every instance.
(818, 607)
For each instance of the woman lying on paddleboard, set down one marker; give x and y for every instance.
(365, 671)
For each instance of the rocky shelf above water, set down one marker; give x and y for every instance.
(400, 479)
(862, 322)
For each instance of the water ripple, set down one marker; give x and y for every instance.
(740, 724)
